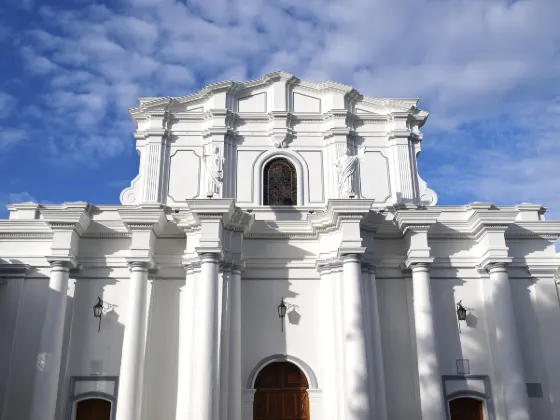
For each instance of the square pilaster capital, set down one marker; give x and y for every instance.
(348, 208)
(145, 217)
(71, 216)
(416, 220)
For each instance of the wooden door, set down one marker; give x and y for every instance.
(466, 409)
(93, 409)
(281, 393)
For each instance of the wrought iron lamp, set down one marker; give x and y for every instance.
(282, 308)
(461, 313)
(98, 309)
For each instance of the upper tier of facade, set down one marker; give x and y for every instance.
(218, 142)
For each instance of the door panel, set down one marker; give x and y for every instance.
(466, 409)
(281, 393)
(93, 409)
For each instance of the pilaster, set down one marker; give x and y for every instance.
(404, 138)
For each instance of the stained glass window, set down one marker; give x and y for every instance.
(280, 183)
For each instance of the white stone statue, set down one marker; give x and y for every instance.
(214, 172)
(346, 167)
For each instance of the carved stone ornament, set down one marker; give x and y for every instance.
(214, 172)
(346, 166)
(281, 138)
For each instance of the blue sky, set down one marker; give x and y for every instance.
(488, 71)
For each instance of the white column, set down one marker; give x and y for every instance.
(338, 283)
(185, 345)
(45, 386)
(131, 377)
(205, 352)
(328, 344)
(377, 348)
(356, 393)
(224, 343)
(510, 361)
(431, 392)
(235, 380)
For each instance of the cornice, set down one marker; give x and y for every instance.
(142, 218)
(68, 216)
(418, 219)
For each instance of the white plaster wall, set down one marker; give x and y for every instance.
(523, 292)
(11, 295)
(92, 352)
(399, 352)
(472, 342)
(24, 358)
(261, 326)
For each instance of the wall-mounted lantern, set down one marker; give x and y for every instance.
(98, 309)
(461, 313)
(282, 308)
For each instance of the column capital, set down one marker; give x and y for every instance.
(417, 267)
(496, 267)
(138, 265)
(353, 257)
(60, 265)
(238, 266)
(209, 258)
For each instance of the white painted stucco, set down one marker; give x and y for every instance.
(371, 278)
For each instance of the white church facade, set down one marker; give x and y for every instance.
(278, 257)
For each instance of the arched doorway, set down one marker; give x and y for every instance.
(93, 409)
(466, 408)
(281, 393)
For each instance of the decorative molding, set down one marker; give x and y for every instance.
(306, 369)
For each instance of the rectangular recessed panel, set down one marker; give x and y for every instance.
(534, 390)
(306, 103)
(463, 367)
(184, 173)
(374, 176)
(252, 103)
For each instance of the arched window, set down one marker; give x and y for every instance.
(280, 183)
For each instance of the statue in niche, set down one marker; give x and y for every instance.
(346, 167)
(214, 172)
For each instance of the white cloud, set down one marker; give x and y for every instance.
(8, 139)
(493, 64)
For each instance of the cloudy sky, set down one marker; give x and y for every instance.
(488, 71)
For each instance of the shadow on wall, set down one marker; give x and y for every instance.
(85, 351)
(95, 347)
